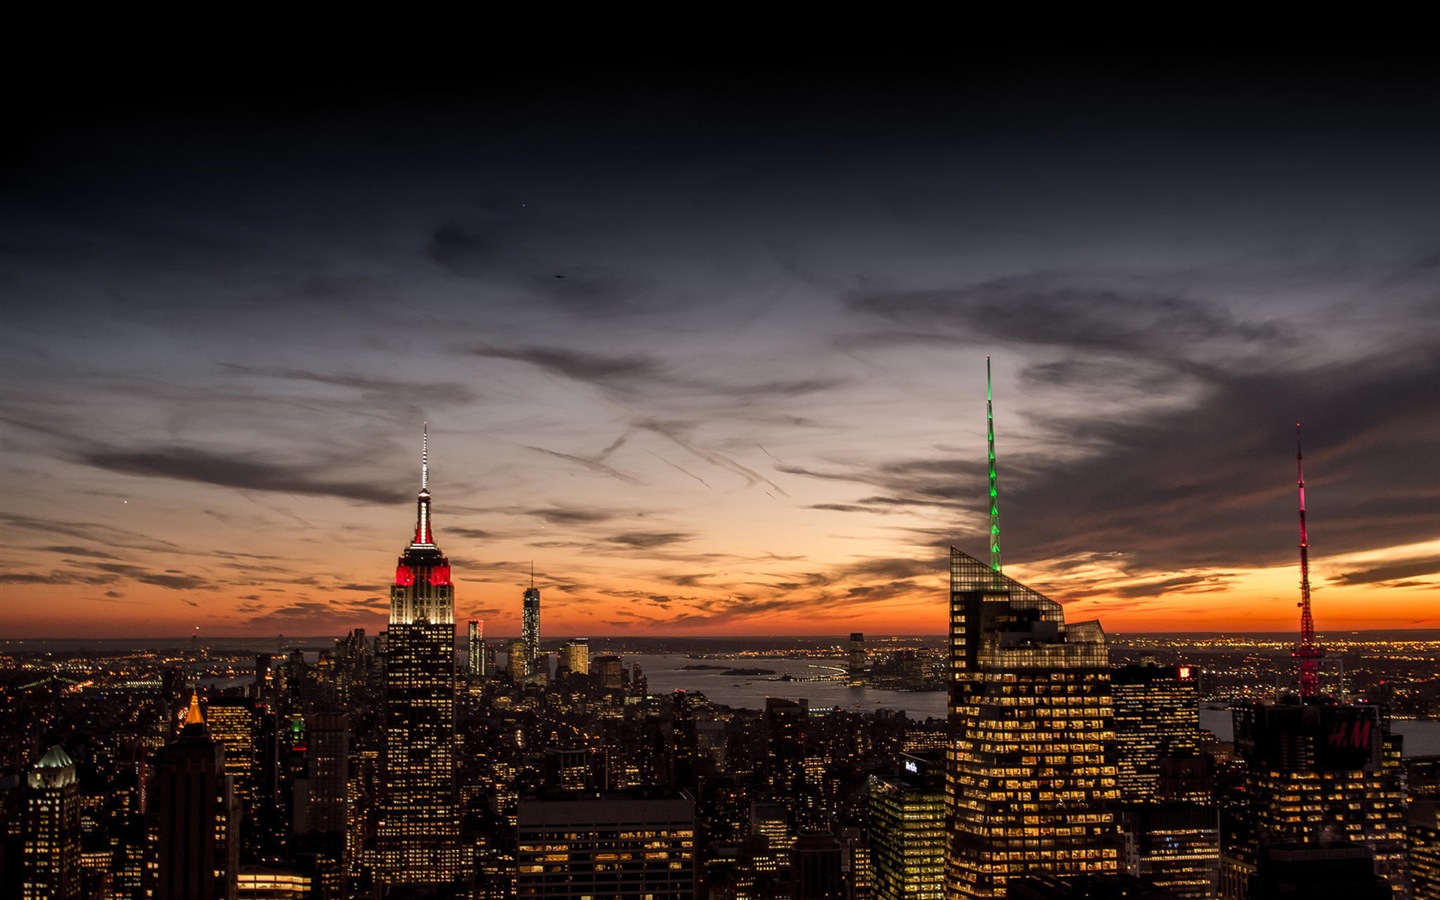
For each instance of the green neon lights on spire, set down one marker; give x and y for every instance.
(994, 487)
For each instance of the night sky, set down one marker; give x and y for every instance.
(707, 346)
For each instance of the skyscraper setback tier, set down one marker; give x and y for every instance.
(1031, 778)
(417, 836)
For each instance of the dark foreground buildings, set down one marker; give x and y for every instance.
(579, 845)
(195, 818)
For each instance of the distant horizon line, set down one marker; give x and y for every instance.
(844, 636)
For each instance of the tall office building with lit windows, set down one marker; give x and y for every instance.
(475, 647)
(1031, 779)
(51, 854)
(907, 829)
(530, 626)
(1316, 772)
(417, 834)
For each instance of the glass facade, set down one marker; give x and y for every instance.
(1032, 777)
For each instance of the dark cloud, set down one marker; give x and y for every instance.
(1391, 572)
(571, 515)
(625, 372)
(81, 551)
(472, 533)
(232, 471)
(1052, 309)
(646, 540)
(1180, 584)
(1213, 485)
(107, 535)
(33, 578)
(171, 579)
(387, 392)
(632, 374)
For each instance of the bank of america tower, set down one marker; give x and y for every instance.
(417, 835)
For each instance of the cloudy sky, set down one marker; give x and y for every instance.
(709, 352)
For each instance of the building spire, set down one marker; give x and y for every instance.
(423, 534)
(1308, 651)
(994, 487)
(193, 717)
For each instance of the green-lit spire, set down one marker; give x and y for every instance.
(994, 490)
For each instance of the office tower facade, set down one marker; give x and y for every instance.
(1171, 825)
(1422, 845)
(321, 802)
(233, 723)
(857, 662)
(530, 624)
(475, 646)
(786, 727)
(907, 829)
(608, 671)
(1031, 778)
(1316, 773)
(575, 656)
(51, 852)
(518, 660)
(1157, 718)
(1175, 845)
(613, 844)
(194, 818)
(418, 830)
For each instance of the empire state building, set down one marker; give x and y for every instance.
(417, 836)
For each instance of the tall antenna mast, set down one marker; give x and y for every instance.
(425, 456)
(1308, 651)
(994, 489)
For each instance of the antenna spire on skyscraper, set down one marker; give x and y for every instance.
(424, 456)
(994, 488)
(1308, 651)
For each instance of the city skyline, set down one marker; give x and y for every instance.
(710, 358)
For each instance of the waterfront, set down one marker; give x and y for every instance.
(666, 673)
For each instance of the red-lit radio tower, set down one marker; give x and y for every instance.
(1308, 651)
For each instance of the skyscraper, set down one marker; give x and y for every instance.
(1157, 718)
(907, 829)
(1031, 771)
(1316, 773)
(857, 662)
(51, 852)
(1031, 779)
(530, 625)
(575, 656)
(1032, 774)
(233, 723)
(418, 830)
(476, 647)
(195, 818)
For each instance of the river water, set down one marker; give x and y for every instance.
(666, 673)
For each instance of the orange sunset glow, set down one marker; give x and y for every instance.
(711, 358)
